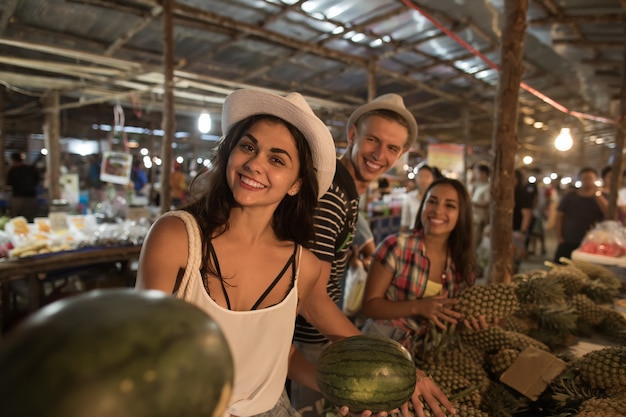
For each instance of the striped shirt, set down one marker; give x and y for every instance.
(335, 219)
(404, 254)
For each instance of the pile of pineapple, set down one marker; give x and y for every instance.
(548, 310)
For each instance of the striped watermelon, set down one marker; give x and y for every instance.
(366, 373)
(116, 352)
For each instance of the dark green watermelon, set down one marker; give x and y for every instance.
(366, 373)
(116, 353)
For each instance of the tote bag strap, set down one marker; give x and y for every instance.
(194, 248)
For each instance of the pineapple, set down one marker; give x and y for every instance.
(502, 360)
(493, 301)
(600, 292)
(495, 338)
(462, 410)
(614, 326)
(466, 366)
(570, 277)
(566, 392)
(604, 407)
(501, 401)
(604, 368)
(538, 291)
(517, 324)
(456, 387)
(556, 326)
(596, 272)
(588, 311)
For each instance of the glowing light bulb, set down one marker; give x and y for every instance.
(204, 122)
(564, 141)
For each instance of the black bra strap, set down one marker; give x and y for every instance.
(219, 274)
(291, 261)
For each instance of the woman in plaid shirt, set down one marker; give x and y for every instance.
(415, 277)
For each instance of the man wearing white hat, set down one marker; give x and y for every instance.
(378, 133)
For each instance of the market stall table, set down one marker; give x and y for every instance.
(35, 269)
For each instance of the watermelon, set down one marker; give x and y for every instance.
(116, 353)
(366, 373)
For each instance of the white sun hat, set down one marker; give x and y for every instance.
(392, 102)
(293, 108)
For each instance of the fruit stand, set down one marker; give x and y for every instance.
(43, 261)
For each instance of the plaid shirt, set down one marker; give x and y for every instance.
(404, 255)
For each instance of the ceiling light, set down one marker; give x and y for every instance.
(564, 141)
(204, 122)
(527, 160)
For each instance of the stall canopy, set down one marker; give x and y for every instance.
(443, 56)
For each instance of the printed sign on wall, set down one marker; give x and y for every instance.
(116, 167)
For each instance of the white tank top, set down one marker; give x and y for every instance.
(259, 340)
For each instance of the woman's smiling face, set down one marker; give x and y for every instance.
(264, 166)
(441, 210)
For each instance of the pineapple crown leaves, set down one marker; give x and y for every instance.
(595, 272)
(560, 318)
(500, 400)
(539, 291)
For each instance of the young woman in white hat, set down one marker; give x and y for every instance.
(237, 250)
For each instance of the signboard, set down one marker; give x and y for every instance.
(69, 188)
(447, 157)
(116, 167)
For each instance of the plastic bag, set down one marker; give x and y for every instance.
(606, 238)
(353, 293)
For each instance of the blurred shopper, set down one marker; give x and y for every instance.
(423, 178)
(178, 185)
(606, 191)
(578, 211)
(139, 178)
(23, 180)
(481, 200)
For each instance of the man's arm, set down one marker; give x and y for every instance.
(558, 226)
(323, 313)
(603, 203)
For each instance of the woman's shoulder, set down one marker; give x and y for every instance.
(308, 258)
(169, 226)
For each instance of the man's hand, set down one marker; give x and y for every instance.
(426, 390)
(345, 411)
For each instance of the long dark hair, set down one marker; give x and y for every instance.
(461, 240)
(292, 219)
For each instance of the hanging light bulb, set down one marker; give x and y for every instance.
(564, 141)
(204, 122)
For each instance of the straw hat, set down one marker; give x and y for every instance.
(294, 109)
(391, 102)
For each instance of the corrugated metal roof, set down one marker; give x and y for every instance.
(103, 52)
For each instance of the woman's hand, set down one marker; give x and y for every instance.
(479, 323)
(426, 390)
(438, 309)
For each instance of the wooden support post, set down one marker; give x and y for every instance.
(505, 140)
(618, 152)
(371, 79)
(3, 141)
(466, 141)
(53, 142)
(168, 107)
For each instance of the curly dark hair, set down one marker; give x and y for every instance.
(213, 198)
(461, 241)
